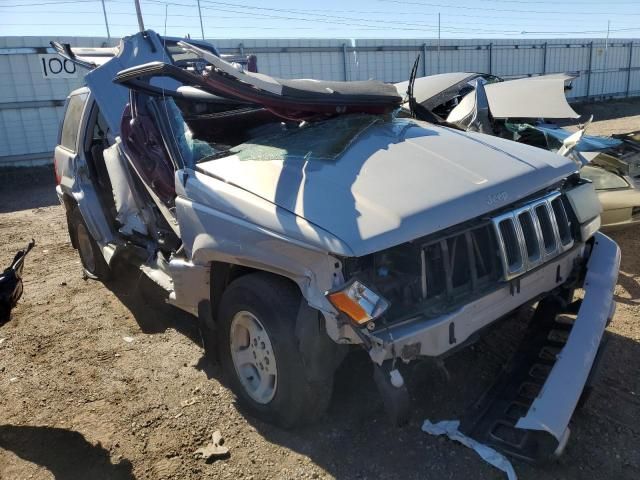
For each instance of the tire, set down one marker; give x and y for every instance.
(290, 398)
(93, 263)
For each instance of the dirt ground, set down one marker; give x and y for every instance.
(108, 382)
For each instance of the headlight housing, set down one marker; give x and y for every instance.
(586, 207)
(358, 302)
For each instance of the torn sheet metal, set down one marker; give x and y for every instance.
(85, 57)
(472, 113)
(111, 97)
(556, 136)
(588, 143)
(296, 99)
(488, 454)
(534, 97)
(128, 212)
(427, 87)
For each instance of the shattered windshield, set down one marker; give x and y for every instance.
(257, 134)
(325, 140)
(190, 149)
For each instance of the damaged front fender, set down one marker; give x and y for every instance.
(221, 223)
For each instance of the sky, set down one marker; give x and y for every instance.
(238, 19)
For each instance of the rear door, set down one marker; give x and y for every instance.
(72, 171)
(66, 152)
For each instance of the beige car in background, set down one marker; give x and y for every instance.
(618, 194)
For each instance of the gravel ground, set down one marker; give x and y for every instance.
(616, 116)
(108, 382)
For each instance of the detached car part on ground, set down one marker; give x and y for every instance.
(292, 240)
(522, 110)
(11, 283)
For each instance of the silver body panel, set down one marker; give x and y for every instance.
(398, 181)
(534, 97)
(553, 407)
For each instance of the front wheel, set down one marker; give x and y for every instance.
(260, 355)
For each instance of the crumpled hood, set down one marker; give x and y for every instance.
(397, 181)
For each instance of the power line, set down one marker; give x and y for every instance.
(431, 14)
(302, 16)
(408, 26)
(462, 7)
(14, 24)
(60, 2)
(86, 12)
(299, 12)
(427, 26)
(282, 17)
(554, 2)
(258, 16)
(135, 25)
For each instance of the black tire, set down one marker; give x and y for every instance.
(93, 263)
(275, 301)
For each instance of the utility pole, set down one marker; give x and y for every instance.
(438, 56)
(106, 22)
(166, 15)
(200, 15)
(139, 15)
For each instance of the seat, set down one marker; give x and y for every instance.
(142, 143)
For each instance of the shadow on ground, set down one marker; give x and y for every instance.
(147, 303)
(17, 198)
(65, 453)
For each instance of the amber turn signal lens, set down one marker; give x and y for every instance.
(358, 302)
(342, 302)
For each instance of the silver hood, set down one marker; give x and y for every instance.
(397, 181)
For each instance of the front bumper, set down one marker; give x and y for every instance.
(420, 337)
(553, 407)
(527, 412)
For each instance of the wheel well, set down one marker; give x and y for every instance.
(69, 202)
(70, 205)
(222, 274)
(321, 355)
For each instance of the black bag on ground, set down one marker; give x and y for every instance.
(11, 283)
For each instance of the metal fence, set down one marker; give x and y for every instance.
(34, 83)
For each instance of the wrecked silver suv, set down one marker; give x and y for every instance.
(298, 217)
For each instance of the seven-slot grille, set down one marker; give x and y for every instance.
(501, 248)
(532, 234)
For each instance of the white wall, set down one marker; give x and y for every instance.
(30, 105)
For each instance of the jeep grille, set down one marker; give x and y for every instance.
(503, 247)
(532, 234)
